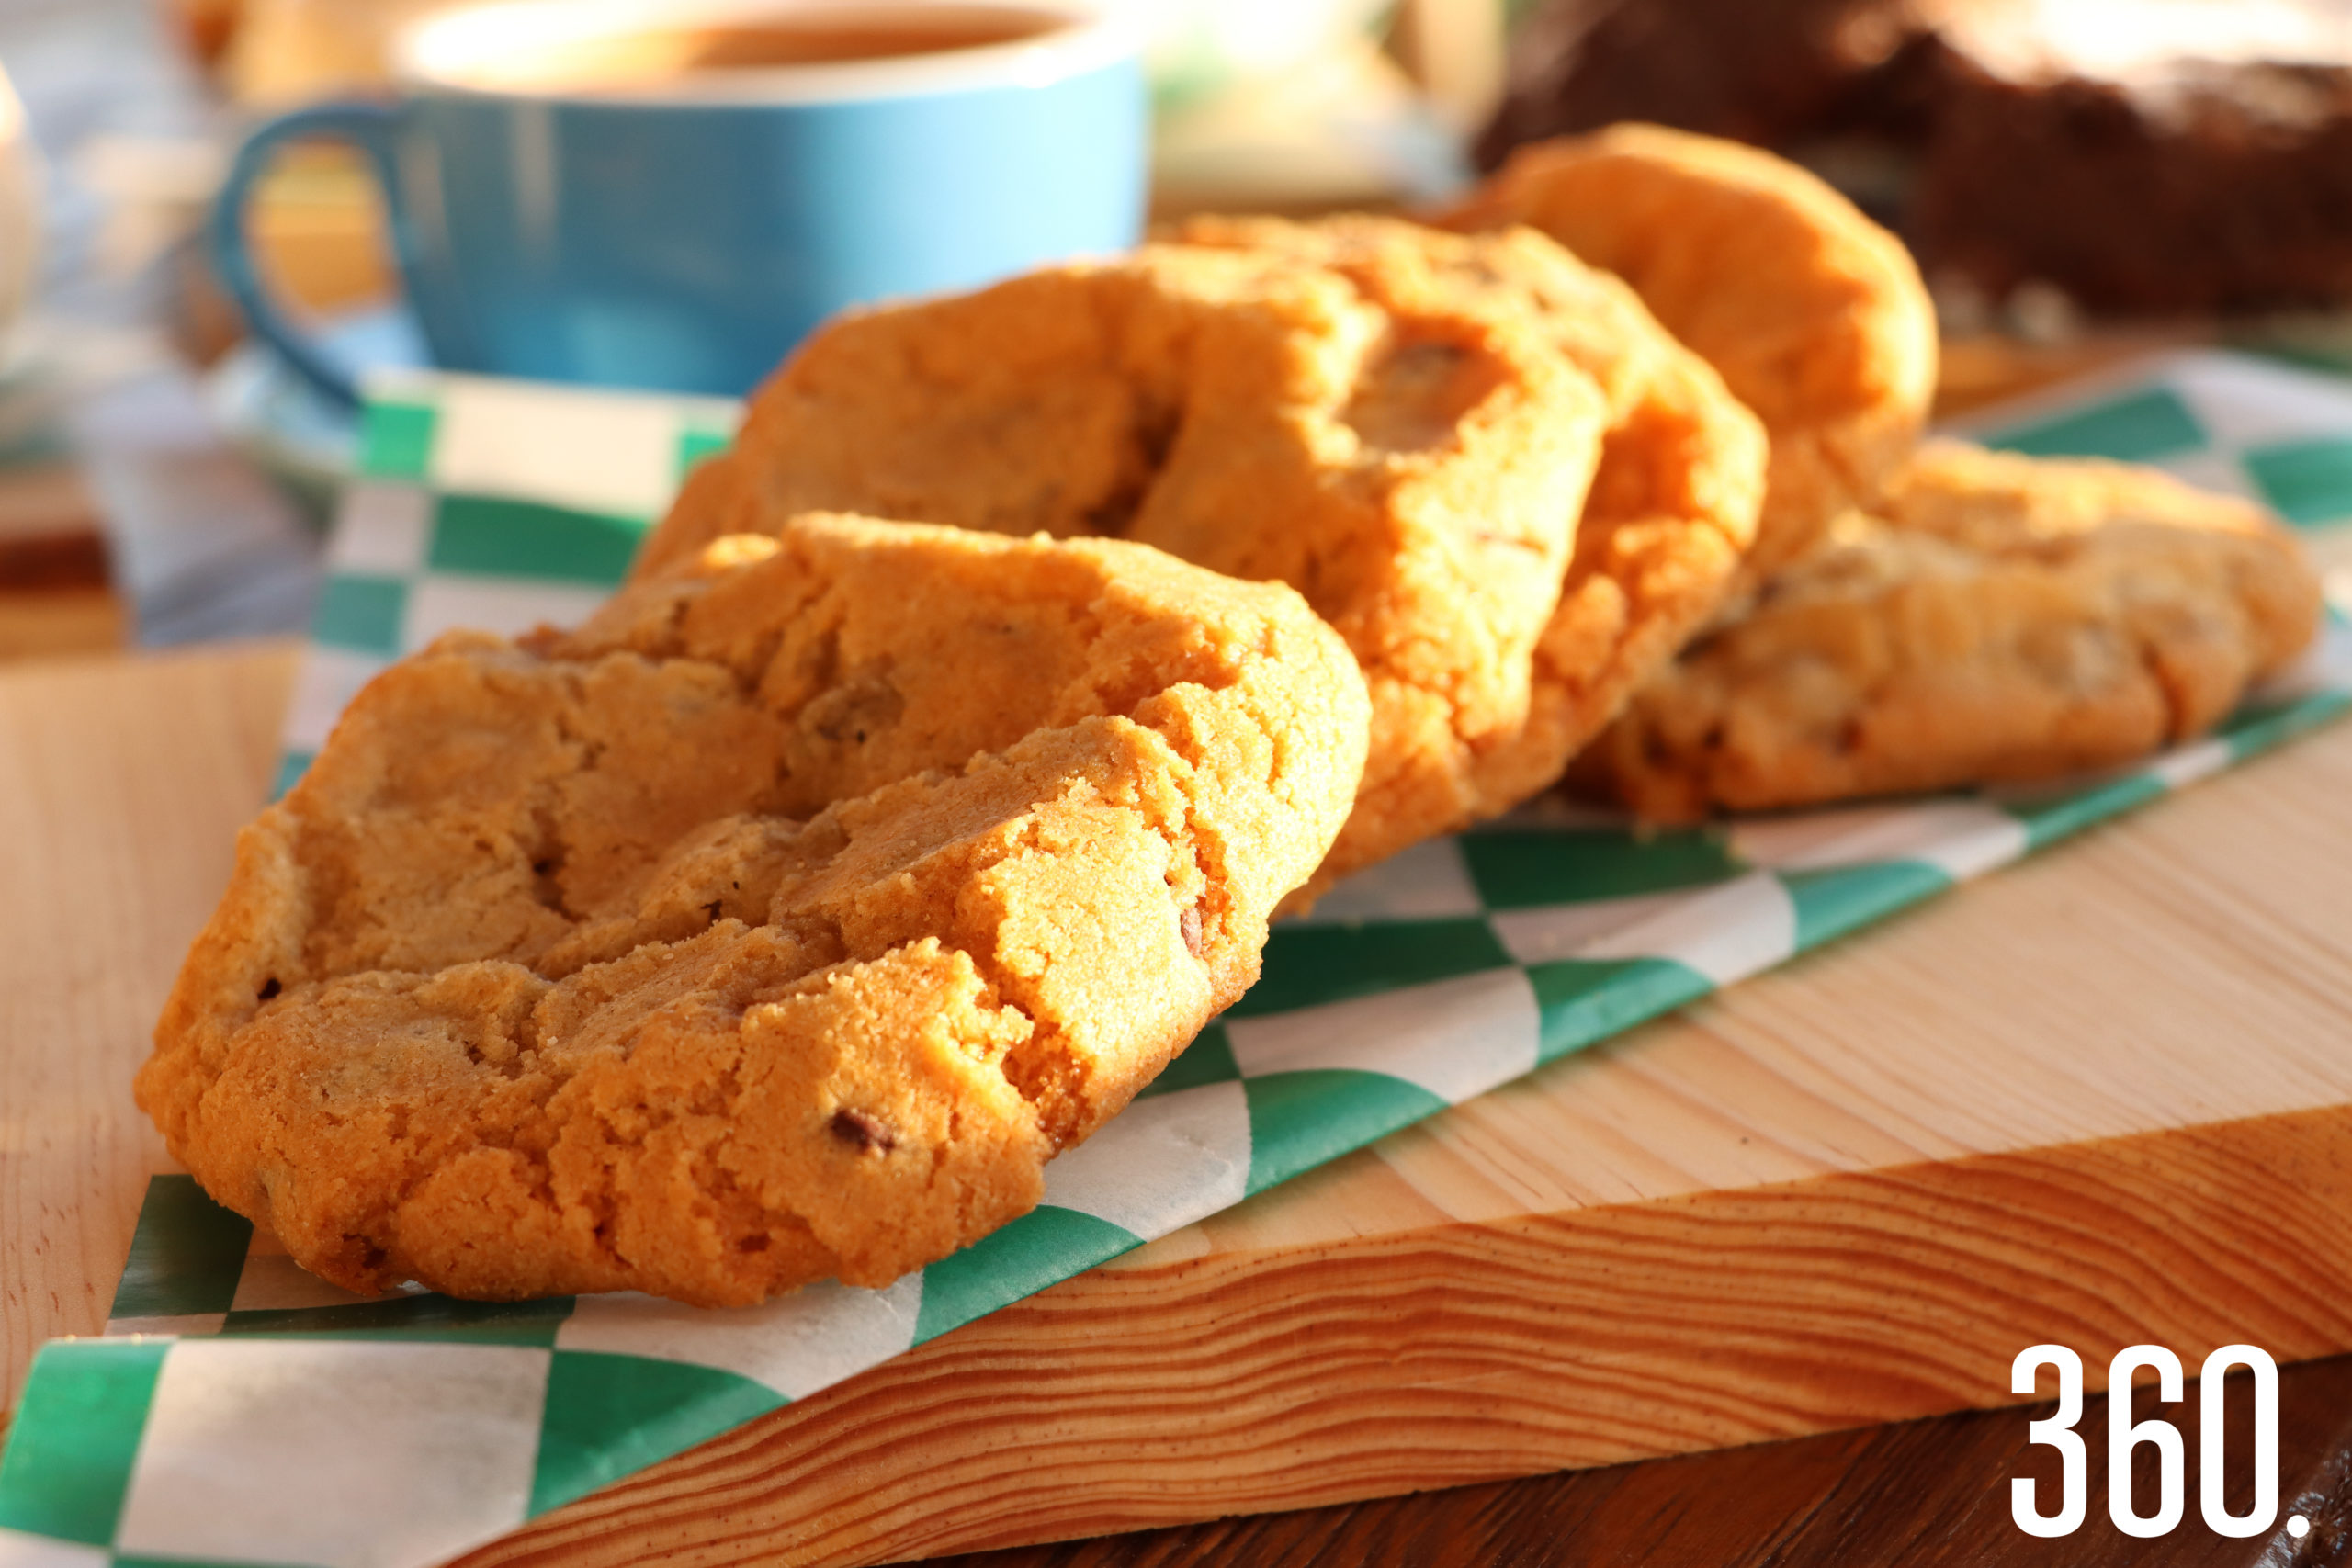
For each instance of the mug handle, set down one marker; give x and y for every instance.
(366, 126)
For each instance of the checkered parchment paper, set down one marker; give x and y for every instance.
(239, 1411)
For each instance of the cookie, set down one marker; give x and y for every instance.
(1413, 465)
(1673, 504)
(2004, 618)
(778, 924)
(1814, 315)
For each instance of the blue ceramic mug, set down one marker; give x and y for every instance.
(671, 193)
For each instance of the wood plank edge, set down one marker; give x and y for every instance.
(1237, 1384)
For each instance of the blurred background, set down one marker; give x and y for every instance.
(2079, 179)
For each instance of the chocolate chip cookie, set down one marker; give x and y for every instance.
(1815, 316)
(1411, 461)
(2003, 618)
(777, 924)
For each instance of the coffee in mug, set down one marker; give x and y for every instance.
(835, 36)
(670, 194)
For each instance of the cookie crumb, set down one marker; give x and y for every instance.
(870, 1134)
(1189, 924)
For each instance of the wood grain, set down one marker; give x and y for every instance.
(1930, 1493)
(120, 783)
(2100, 1097)
(1235, 1383)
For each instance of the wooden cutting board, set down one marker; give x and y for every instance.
(2104, 1097)
(56, 588)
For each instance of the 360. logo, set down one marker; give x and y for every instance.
(2124, 1435)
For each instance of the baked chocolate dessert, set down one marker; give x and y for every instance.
(2212, 187)
(1775, 73)
(2143, 157)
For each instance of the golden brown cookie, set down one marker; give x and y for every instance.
(1409, 462)
(1672, 507)
(1814, 315)
(778, 924)
(2004, 618)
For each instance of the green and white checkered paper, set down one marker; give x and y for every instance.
(239, 1411)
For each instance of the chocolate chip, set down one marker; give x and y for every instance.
(870, 1134)
(269, 988)
(1188, 923)
(713, 908)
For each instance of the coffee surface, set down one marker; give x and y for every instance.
(828, 36)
